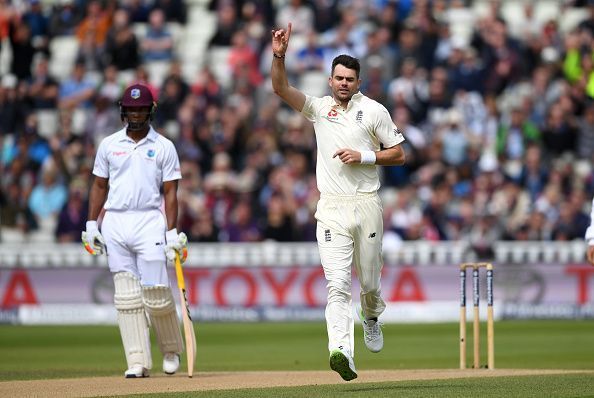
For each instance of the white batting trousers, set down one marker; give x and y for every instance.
(349, 233)
(135, 242)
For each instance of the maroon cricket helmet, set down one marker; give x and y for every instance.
(137, 95)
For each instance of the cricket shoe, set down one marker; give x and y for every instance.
(372, 333)
(170, 363)
(342, 363)
(136, 371)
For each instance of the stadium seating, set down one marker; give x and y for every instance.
(63, 51)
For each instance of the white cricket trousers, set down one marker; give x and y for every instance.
(135, 242)
(349, 232)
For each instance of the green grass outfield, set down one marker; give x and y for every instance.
(45, 352)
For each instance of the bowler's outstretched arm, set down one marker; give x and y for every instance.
(292, 96)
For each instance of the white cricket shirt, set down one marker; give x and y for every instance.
(136, 170)
(363, 126)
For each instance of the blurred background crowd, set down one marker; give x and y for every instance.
(495, 100)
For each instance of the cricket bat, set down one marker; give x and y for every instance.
(186, 317)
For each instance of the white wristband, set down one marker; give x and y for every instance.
(91, 225)
(368, 157)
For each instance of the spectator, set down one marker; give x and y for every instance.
(95, 24)
(407, 47)
(404, 213)
(21, 43)
(242, 226)
(311, 56)
(103, 118)
(91, 55)
(483, 235)
(502, 58)
(466, 70)
(243, 60)
(42, 88)
(454, 138)
(202, 228)
(537, 227)
(571, 224)
(14, 213)
(72, 217)
(559, 133)
(378, 47)
(12, 115)
(38, 24)
(174, 92)
(297, 12)
(511, 205)
(279, 224)
(121, 47)
(445, 45)
(534, 175)
(207, 88)
(109, 87)
(219, 186)
(585, 133)
(513, 138)
(48, 197)
(171, 99)
(326, 14)
(227, 25)
(157, 45)
(78, 90)
(434, 100)
(64, 19)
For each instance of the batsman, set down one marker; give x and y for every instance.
(132, 167)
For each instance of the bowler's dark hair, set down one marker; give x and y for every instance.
(348, 62)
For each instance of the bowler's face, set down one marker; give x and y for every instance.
(344, 83)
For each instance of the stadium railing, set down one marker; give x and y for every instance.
(412, 253)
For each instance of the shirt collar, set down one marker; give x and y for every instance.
(355, 98)
(151, 136)
(122, 135)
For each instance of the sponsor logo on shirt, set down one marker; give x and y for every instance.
(372, 235)
(119, 153)
(332, 115)
(150, 153)
(359, 116)
(327, 236)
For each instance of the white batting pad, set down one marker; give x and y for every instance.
(160, 307)
(132, 320)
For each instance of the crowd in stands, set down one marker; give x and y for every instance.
(498, 116)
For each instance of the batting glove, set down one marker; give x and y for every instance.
(175, 242)
(92, 239)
